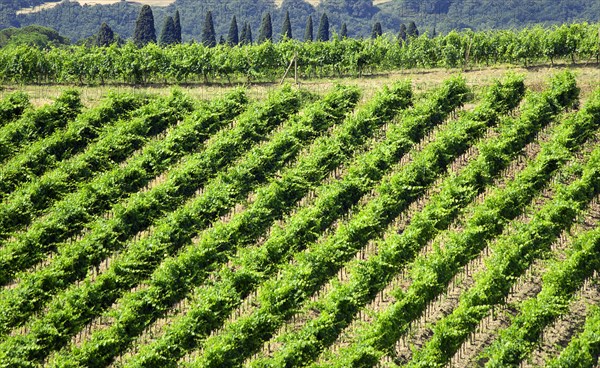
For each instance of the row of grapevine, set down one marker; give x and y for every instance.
(511, 256)
(560, 283)
(109, 234)
(13, 106)
(254, 265)
(367, 278)
(96, 196)
(34, 198)
(78, 208)
(176, 275)
(281, 296)
(120, 140)
(193, 62)
(35, 123)
(45, 154)
(222, 233)
(584, 349)
(219, 195)
(432, 272)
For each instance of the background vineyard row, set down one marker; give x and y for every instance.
(269, 62)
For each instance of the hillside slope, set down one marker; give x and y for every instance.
(79, 21)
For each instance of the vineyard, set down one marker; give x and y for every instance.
(444, 226)
(340, 57)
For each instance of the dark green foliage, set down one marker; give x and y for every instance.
(243, 37)
(412, 6)
(209, 37)
(12, 107)
(439, 7)
(222, 40)
(246, 34)
(39, 36)
(402, 34)
(298, 10)
(344, 31)
(177, 22)
(412, 30)
(286, 30)
(232, 36)
(323, 34)
(76, 21)
(249, 40)
(8, 17)
(266, 29)
(362, 9)
(308, 32)
(377, 31)
(144, 27)
(168, 36)
(105, 35)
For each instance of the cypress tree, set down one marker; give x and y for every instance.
(266, 29)
(344, 31)
(177, 22)
(377, 30)
(242, 39)
(144, 27)
(168, 36)
(402, 34)
(286, 30)
(249, 34)
(105, 35)
(308, 32)
(323, 34)
(232, 36)
(209, 38)
(412, 30)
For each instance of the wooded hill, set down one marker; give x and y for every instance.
(76, 21)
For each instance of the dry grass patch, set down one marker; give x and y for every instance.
(588, 79)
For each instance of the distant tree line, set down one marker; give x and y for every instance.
(171, 32)
(77, 21)
(38, 36)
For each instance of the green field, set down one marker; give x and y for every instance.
(422, 218)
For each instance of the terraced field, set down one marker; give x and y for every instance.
(426, 228)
